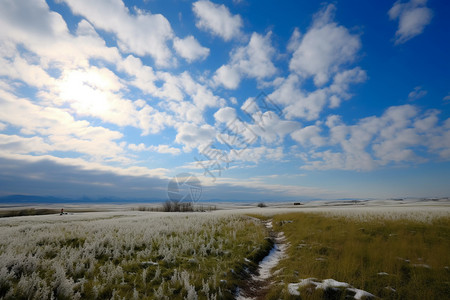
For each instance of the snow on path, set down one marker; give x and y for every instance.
(269, 262)
(273, 258)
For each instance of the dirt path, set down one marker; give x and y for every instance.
(257, 286)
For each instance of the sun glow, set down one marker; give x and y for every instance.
(88, 91)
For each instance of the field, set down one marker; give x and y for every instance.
(131, 256)
(328, 253)
(333, 256)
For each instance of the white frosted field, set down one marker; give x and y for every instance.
(58, 255)
(98, 253)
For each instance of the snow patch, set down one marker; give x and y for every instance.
(327, 284)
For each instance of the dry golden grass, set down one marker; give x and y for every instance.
(376, 255)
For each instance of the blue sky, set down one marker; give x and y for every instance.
(260, 100)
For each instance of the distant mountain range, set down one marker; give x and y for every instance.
(21, 199)
(34, 199)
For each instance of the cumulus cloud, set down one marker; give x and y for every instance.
(309, 136)
(225, 115)
(266, 121)
(98, 92)
(141, 33)
(44, 33)
(192, 136)
(253, 61)
(61, 130)
(142, 76)
(412, 17)
(324, 53)
(396, 137)
(324, 48)
(202, 97)
(217, 19)
(300, 103)
(228, 76)
(190, 49)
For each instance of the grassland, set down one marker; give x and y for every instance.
(136, 256)
(391, 258)
(146, 255)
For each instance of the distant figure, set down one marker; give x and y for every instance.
(62, 211)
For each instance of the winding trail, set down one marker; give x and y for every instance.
(257, 285)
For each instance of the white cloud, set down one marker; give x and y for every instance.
(60, 130)
(22, 145)
(190, 49)
(252, 61)
(299, 103)
(439, 142)
(217, 19)
(294, 41)
(417, 93)
(227, 76)
(201, 96)
(323, 53)
(266, 120)
(192, 136)
(151, 120)
(309, 136)
(18, 68)
(324, 48)
(412, 17)
(141, 33)
(176, 89)
(96, 92)
(225, 115)
(44, 33)
(341, 84)
(255, 59)
(165, 149)
(143, 76)
(257, 154)
(396, 137)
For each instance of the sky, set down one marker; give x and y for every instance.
(260, 100)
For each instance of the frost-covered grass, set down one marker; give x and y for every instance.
(392, 257)
(133, 255)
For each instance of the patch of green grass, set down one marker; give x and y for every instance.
(375, 255)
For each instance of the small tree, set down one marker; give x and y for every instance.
(261, 204)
